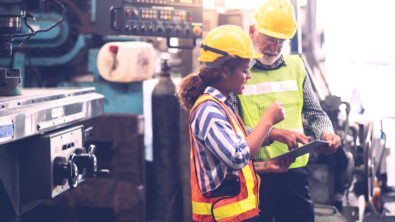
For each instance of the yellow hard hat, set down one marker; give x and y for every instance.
(276, 18)
(226, 42)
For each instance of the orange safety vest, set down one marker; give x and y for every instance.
(237, 208)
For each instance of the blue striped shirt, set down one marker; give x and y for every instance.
(220, 151)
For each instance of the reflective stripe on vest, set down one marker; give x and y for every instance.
(285, 85)
(240, 207)
(269, 87)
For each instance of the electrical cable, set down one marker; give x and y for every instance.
(32, 33)
(29, 15)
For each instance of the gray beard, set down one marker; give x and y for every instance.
(275, 65)
(264, 62)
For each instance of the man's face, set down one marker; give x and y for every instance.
(269, 46)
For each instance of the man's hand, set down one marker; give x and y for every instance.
(334, 143)
(288, 137)
(273, 166)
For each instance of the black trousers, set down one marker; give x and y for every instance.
(286, 197)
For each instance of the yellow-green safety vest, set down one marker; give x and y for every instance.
(284, 85)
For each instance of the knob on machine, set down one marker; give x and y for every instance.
(87, 163)
(65, 171)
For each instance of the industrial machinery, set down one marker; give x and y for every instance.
(42, 150)
(55, 43)
(164, 18)
(42, 154)
(67, 54)
(43, 131)
(346, 185)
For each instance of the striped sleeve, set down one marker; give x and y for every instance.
(213, 127)
(318, 120)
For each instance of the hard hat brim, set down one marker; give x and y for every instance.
(257, 55)
(276, 34)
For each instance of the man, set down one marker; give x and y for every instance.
(284, 196)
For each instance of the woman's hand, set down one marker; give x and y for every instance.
(288, 137)
(274, 113)
(274, 166)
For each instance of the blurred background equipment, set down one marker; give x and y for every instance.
(126, 61)
(10, 81)
(81, 56)
(166, 132)
(82, 94)
(347, 185)
(166, 18)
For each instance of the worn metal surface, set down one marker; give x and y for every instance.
(38, 111)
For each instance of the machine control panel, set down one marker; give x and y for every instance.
(60, 163)
(162, 18)
(65, 171)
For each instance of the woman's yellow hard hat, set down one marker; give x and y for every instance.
(226, 42)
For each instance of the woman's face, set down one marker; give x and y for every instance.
(239, 77)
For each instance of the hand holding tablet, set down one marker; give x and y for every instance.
(308, 148)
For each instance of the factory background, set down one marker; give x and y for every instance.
(91, 128)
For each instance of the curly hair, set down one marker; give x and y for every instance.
(193, 85)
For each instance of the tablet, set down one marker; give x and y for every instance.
(310, 147)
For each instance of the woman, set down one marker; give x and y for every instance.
(223, 180)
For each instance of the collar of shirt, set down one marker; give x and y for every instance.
(218, 95)
(276, 65)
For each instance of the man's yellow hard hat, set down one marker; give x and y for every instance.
(226, 42)
(276, 18)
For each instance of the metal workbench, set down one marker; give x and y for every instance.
(38, 111)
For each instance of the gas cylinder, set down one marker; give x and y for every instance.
(166, 144)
